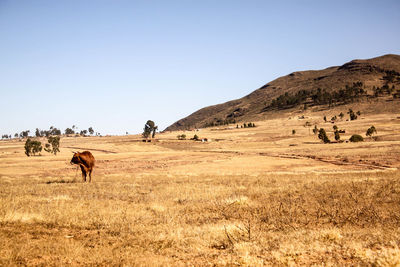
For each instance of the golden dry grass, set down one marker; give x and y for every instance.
(250, 197)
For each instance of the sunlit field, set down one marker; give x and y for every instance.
(247, 196)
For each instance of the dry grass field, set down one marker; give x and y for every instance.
(248, 197)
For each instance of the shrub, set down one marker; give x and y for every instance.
(181, 137)
(195, 137)
(356, 138)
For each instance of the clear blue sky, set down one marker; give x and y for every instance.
(113, 65)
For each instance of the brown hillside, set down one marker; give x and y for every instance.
(370, 72)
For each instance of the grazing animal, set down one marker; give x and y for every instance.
(86, 161)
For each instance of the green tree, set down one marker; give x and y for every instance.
(149, 128)
(371, 131)
(337, 135)
(32, 147)
(322, 135)
(315, 130)
(53, 145)
(352, 115)
(37, 132)
(24, 134)
(195, 137)
(69, 131)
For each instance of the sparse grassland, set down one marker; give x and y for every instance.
(254, 196)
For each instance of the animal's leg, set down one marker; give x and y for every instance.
(83, 173)
(90, 176)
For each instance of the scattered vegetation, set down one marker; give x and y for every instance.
(352, 115)
(220, 122)
(319, 97)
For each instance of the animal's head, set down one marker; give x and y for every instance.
(76, 158)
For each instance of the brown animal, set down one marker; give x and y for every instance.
(86, 161)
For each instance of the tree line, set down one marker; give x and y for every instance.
(53, 131)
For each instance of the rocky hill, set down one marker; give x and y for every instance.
(353, 81)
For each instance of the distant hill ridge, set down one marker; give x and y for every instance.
(360, 77)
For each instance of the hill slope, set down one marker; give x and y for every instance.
(375, 72)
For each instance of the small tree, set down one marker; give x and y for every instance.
(91, 131)
(335, 128)
(341, 115)
(37, 132)
(69, 131)
(195, 137)
(337, 135)
(24, 134)
(83, 132)
(155, 128)
(315, 130)
(149, 128)
(322, 135)
(353, 116)
(53, 145)
(32, 147)
(371, 131)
